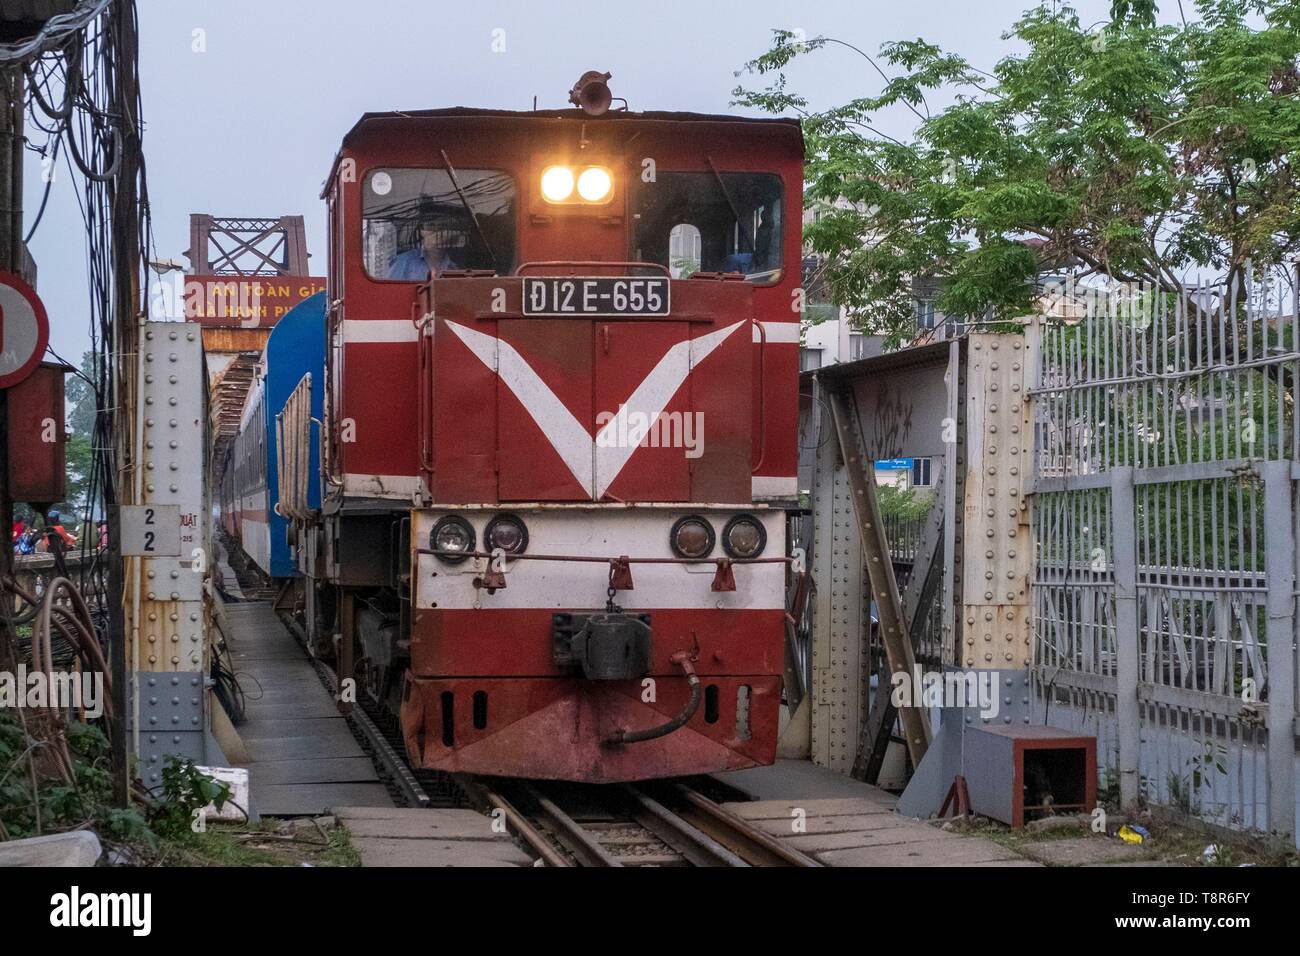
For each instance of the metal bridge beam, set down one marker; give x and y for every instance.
(894, 630)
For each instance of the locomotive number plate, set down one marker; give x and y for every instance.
(583, 296)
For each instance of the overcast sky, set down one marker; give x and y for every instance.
(248, 128)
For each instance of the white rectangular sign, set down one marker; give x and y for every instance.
(151, 531)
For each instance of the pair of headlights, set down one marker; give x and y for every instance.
(692, 537)
(742, 537)
(453, 537)
(594, 184)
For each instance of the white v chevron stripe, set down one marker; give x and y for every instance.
(594, 464)
(650, 398)
(562, 430)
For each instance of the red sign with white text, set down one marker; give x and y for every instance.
(249, 302)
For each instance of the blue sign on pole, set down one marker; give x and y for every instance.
(894, 464)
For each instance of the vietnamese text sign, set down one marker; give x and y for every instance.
(248, 302)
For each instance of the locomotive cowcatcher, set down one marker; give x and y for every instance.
(559, 435)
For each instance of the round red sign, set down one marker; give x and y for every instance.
(24, 330)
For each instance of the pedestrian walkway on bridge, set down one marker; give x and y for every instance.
(303, 757)
(841, 821)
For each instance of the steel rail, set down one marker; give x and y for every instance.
(762, 844)
(696, 846)
(575, 838)
(485, 796)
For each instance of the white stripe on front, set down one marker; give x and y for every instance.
(558, 424)
(385, 331)
(763, 487)
(403, 487)
(649, 399)
(379, 331)
(778, 333)
(599, 533)
(593, 463)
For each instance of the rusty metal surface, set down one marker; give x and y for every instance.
(248, 245)
(223, 339)
(552, 728)
(171, 626)
(755, 846)
(232, 356)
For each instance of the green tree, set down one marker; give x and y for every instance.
(79, 461)
(1149, 153)
(79, 399)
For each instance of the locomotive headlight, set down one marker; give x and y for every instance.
(595, 184)
(557, 183)
(744, 537)
(507, 533)
(453, 538)
(691, 537)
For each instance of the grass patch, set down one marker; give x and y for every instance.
(262, 844)
(1170, 842)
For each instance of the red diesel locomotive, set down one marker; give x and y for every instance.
(559, 435)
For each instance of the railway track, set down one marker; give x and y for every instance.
(380, 736)
(667, 823)
(661, 824)
(657, 824)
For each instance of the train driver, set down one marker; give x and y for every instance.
(431, 254)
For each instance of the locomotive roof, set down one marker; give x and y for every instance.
(784, 128)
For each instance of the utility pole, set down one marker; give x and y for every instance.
(12, 257)
(128, 315)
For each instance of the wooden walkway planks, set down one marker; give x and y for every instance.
(866, 831)
(845, 822)
(411, 837)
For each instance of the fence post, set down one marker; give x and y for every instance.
(1279, 576)
(1124, 560)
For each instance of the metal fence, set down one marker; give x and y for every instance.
(1166, 542)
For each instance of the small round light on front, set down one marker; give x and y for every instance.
(507, 533)
(744, 537)
(557, 183)
(691, 537)
(452, 538)
(595, 184)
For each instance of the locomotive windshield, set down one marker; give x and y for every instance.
(711, 222)
(421, 221)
